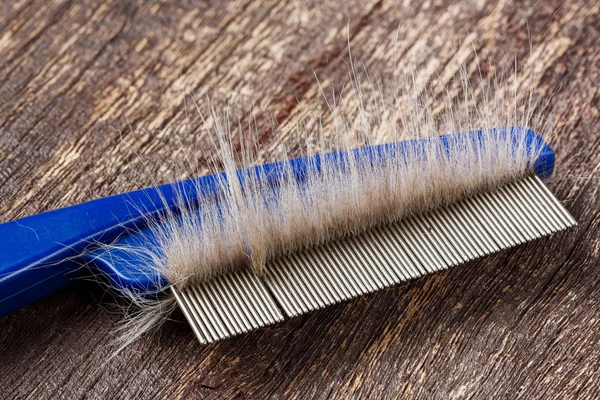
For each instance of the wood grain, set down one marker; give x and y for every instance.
(75, 75)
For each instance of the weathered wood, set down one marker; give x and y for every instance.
(523, 323)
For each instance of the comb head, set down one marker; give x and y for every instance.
(130, 269)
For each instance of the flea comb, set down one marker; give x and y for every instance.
(277, 241)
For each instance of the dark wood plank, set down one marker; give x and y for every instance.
(75, 75)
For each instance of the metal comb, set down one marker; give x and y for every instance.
(314, 278)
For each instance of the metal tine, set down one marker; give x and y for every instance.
(486, 222)
(452, 227)
(395, 232)
(422, 241)
(460, 225)
(276, 287)
(437, 222)
(360, 249)
(241, 299)
(523, 207)
(534, 211)
(507, 218)
(502, 231)
(305, 286)
(325, 274)
(365, 247)
(325, 257)
(511, 217)
(229, 303)
(440, 243)
(231, 282)
(404, 265)
(558, 208)
(330, 258)
(195, 303)
(393, 260)
(414, 247)
(384, 256)
(355, 258)
(191, 316)
(473, 226)
(228, 291)
(210, 312)
(219, 308)
(312, 275)
(249, 301)
(267, 304)
(360, 282)
(365, 282)
(543, 205)
(523, 221)
(415, 235)
(477, 227)
(292, 288)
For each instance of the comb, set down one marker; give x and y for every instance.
(44, 252)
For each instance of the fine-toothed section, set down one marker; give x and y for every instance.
(333, 272)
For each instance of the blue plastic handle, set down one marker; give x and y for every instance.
(43, 253)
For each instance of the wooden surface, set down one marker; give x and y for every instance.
(73, 74)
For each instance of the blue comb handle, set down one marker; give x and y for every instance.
(43, 253)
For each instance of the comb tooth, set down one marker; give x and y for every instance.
(478, 227)
(522, 222)
(234, 290)
(424, 245)
(402, 237)
(383, 254)
(219, 310)
(203, 318)
(360, 282)
(247, 308)
(232, 306)
(438, 223)
(546, 215)
(365, 254)
(506, 217)
(501, 234)
(320, 292)
(323, 256)
(378, 258)
(401, 241)
(364, 282)
(213, 318)
(521, 206)
(444, 249)
(289, 287)
(191, 316)
(554, 203)
(443, 215)
(461, 223)
(304, 291)
(227, 305)
(403, 264)
(323, 275)
(264, 300)
(532, 214)
(274, 284)
(383, 250)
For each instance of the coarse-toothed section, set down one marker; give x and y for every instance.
(234, 303)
